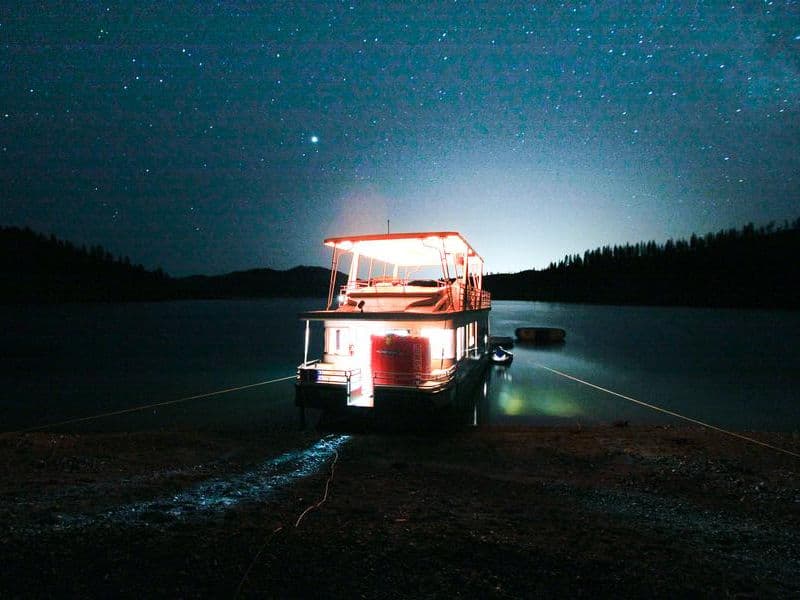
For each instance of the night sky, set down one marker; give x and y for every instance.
(205, 137)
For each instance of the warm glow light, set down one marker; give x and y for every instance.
(410, 252)
(441, 342)
(397, 332)
(511, 404)
(543, 403)
(409, 249)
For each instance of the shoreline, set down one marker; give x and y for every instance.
(495, 511)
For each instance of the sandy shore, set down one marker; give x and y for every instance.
(612, 511)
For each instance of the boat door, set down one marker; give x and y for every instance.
(361, 352)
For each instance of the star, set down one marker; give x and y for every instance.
(533, 104)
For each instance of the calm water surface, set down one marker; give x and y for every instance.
(732, 368)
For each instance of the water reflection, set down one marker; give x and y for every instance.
(513, 402)
(220, 494)
(512, 399)
(734, 368)
(723, 367)
(527, 394)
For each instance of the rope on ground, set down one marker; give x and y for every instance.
(671, 413)
(144, 407)
(325, 496)
(296, 524)
(255, 560)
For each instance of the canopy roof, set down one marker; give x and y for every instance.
(407, 249)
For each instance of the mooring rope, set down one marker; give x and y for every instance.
(277, 530)
(144, 407)
(325, 496)
(670, 412)
(255, 560)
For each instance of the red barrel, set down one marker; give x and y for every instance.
(400, 359)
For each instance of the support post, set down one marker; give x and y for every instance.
(305, 345)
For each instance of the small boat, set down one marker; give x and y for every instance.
(540, 335)
(502, 357)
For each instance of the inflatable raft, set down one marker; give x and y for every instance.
(540, 335)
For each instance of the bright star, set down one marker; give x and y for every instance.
(314, 139)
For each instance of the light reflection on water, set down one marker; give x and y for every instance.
(219, 494)
(733, 368)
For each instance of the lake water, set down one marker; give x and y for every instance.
(731, 368)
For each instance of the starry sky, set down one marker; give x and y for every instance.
(206, 137)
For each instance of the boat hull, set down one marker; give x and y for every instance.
(393, 400)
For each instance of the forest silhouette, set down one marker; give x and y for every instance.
(39, 269)
(748, 268)
(745, 268)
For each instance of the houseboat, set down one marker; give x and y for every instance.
(408, 330)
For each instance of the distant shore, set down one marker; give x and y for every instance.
(657, 511)
(745, 268)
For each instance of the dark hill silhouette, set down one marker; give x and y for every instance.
(745, 268)
(733, 268)
(37, 268)
(296, 282)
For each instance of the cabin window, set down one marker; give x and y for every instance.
(459, 342)
(338, 340)
(400, 332)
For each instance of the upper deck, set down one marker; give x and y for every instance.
(407, 273)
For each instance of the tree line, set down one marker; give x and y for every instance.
(747, 267)
(39, 268)
(44, 269)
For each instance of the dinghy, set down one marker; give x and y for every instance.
(540, 335)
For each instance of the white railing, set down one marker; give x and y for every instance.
(457, 298)
(312, 373)
(421, 380)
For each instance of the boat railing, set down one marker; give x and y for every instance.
(387, 282)
(420, 380)
(478, 299)
(312, 372)
(459, 298)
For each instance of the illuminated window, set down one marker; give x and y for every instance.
(338, 340)
(442, 342)
(471, 334)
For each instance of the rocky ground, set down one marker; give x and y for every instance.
(611, 511)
